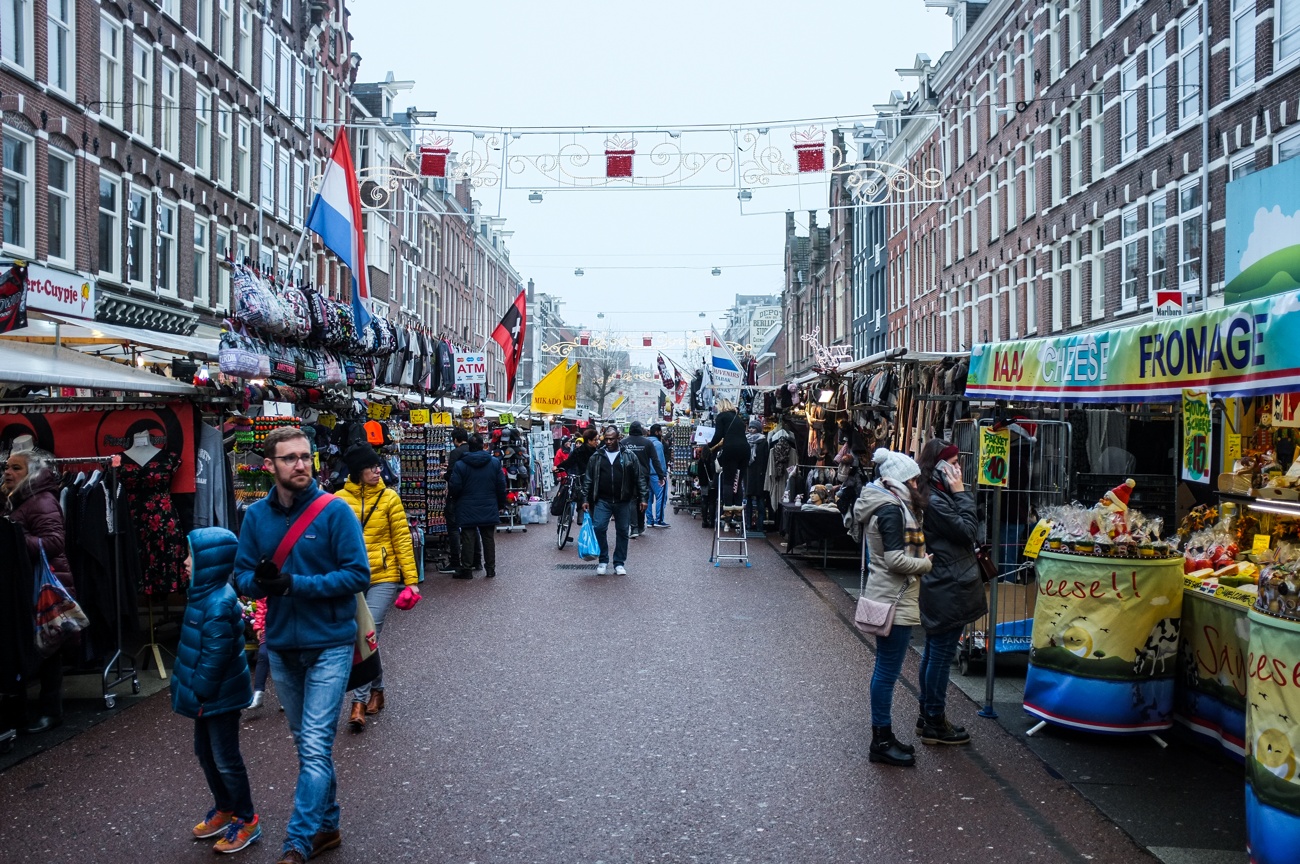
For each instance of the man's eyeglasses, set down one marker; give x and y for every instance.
(296, 458)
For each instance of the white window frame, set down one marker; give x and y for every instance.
(67, 200)
(203, 21)
(1241, 45)
(284, 90)
(1055, 277)
(283, 183)
(139, 254)
(1099, 271)
(1096, 25)
(1242, 166)
(168, 248)
(1013, 183)
(244, 51)
(170, 8)
(974, 221)
(286, 10)
(17, 46)
(1157, 91)
(1189, 235)
(1189, 66)
(300, 111)
(222, 251)
(1031, 181)
(222, 163)
(270, 67)
(1127, 6)
(1028, 64)
(23, 178)
(1286, 146)
(202, 261)
(225, 32)
(1031, 294)
(1128, 109)
(115, 233)
(266, 175)
(202, 131)
(169, 91)
(1286, 33)
(243, 159)
(1097, 135)
(111, 67)
(1057, 184)
(1076, 175)
(142, 78)
(1073, 21)
(298, 205)
(1130, 274)
(61, 47)
(1157, 245)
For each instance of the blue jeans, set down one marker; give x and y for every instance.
(379, 598)
(621, 511)
(216, 743)
(658, 498)
(260, 667)
(936, 666)
(890, 651)
(311, 685)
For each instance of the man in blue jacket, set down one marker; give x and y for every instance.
(479, 489)
(310, 625)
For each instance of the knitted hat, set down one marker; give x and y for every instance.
(360, 457)
(896, 466)
(1118, 497)
(948, 452)
(755, 424)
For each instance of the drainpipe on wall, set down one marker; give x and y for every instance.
(1205, 155)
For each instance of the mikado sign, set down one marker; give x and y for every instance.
(471, 368)
(1240, 350)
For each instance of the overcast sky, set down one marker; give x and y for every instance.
(668, 63)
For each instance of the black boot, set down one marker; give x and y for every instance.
(938, 730)
(885, 748)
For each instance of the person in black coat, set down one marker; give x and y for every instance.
(479, 489)
(755, 479)
(732, 450)
(952, 593)
(458, 437)
(576, 464)
(642, 448)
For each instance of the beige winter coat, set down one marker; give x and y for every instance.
(888, 564)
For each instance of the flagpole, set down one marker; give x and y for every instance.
(298, 252)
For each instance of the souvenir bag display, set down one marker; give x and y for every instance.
(283, 366)
(57, 615)
(254, 304)
(365, 376)
(309, 366)
(236, 355)
(298, 323)
(318, 313)
(277, 319)
(332, 369)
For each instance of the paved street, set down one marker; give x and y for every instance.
(680, 713)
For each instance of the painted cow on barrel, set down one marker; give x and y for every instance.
(1161, 646)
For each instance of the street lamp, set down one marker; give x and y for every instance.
(717, 271)
(745, 195)
(577, 272)
(535, 197)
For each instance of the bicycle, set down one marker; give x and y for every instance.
(564, 524)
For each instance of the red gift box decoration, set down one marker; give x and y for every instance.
(810, 149)
(433, 161)
(584, 338)
(618, 156)
(645, 340)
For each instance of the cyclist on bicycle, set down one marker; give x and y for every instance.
(575, 466)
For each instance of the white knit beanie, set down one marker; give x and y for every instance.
(896, 466)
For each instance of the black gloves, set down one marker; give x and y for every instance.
(269, 578)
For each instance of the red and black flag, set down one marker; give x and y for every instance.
(510, 336)
(13, 299)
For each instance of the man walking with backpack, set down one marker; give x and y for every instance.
(302, 549)
(643, 449)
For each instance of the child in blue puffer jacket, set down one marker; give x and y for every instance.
(210, 684)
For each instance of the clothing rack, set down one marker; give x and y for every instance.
(121, 666)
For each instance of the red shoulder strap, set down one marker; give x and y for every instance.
(304, 520)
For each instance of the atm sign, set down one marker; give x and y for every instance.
(471, 368)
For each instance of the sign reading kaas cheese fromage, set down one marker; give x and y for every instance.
(1241, 350)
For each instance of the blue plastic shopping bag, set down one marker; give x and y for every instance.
(588, 548)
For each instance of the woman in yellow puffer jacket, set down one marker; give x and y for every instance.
(392, 557)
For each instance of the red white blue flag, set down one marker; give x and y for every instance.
(335, 215)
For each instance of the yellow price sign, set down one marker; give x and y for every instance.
(442, 418)
(1037, 538)
(329, 421)
(1259, 545)
(995, 457)
(420, 416)
(506, 419)
(378, 411)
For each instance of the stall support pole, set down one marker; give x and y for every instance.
(153, 644)
(991, 633)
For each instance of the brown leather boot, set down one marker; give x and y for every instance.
(376, 703)
(357, 721)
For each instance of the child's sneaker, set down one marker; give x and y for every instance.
(258, 698)
(239, 834)
(213, 824)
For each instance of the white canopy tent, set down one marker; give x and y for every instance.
(27, 364)
(78, 332)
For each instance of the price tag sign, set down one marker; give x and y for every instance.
(1197, 428)
(377, 411)
(442, 418)
(1259, 545)
(1037, 538)
(995, 456)
(1231, 451)
(315, 461)
(329, 421)
(420, 416)
(506, 419)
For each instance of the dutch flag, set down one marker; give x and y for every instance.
(336, 216)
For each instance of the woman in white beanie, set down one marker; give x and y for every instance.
(896, 559)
